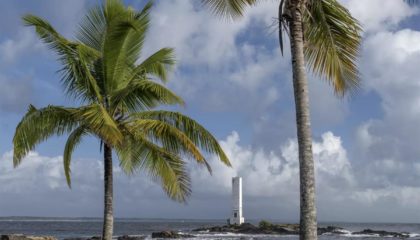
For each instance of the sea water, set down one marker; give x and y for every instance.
(87, 227)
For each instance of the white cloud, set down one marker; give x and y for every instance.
(376, 15)
(263, 172)
(199, 37)
(405, 196)
(270, 182)
(204, 41)
(12, 49)
(390, 67)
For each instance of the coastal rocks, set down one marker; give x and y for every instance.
(123, 237)
(247, 228)
(170, 234)
(265, 227)
(128, 237)
(331, 230)
(283, 229)
(380, 233)
(89, 238)
(24, 237)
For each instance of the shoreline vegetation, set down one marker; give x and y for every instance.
(263, 228)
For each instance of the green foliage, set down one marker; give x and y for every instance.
(229, 9)
(332, 44)
(263, 224)
(101, 70)
(332, 37)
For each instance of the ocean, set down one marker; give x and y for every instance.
(87, 227)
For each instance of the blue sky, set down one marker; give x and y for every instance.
(236, 83)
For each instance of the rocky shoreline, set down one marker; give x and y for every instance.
(293, 229)
(264, 227)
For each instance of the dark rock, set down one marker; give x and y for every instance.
(247, 228)
(213, 229)
(331, 230)
(127, 237)
(24, 237)
(170, 234)
(291, 229)
(277, 229)
(381, 233)
(86, 238)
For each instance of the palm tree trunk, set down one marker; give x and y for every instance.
(308, 222)
(108, 196)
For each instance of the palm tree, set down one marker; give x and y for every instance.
(323, 33)
(117, 94)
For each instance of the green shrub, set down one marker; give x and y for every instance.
(265, 224)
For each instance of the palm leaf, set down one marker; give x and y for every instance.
(122, 43)
(157, 64)
(75, 58)
(161, 165)
(193, 130)
(38, 125)
(142, 94)
(228, 8)
(93, 28)
(73, 140)
(96, 118)
(169, 137)
(332, 44)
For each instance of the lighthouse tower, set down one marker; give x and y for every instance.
(236, 217)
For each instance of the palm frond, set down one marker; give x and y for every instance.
(142, 94)
(92, 28)
(122, 44)
(228, 8)
(167, 136)
(332, 44)
(38, 125)
(72, 141)
(161, 165)
(157, 64)
(193, 130)
(96, 118)
(75, 58)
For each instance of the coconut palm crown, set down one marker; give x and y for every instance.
(332, 36)
(101, 70)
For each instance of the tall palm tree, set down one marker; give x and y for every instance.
(323, 33)
(101, 69)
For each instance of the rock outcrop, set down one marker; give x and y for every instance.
(24, 237)
(247, 228)
(291, 229)
(128, 237)
(170, 234)
(381, 233)
(268, 228)
(85, 238)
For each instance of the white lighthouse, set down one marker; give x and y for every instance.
(236, 217)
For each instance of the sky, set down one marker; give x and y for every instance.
(236, 83)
